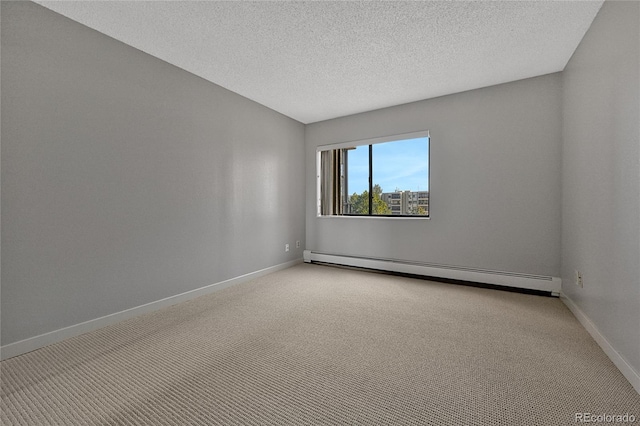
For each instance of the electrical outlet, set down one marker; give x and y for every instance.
(297, 244)
(286, 247)
(579, 281)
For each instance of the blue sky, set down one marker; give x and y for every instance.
(402, 165)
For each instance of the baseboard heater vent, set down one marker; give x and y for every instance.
(540, 283)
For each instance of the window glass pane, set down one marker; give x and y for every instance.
(401, 177)
(398, 173)
(358, 180)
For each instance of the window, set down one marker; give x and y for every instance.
(379, 177)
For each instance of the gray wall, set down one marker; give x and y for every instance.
(495, 181)
(601, 177)
(126, 180)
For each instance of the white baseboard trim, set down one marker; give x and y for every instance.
(627, 370)
(502, 278)
(36, 342)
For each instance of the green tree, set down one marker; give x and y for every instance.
(360, 202)
(379, 206)
(418, 211)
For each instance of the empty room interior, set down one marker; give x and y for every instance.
(386, 213)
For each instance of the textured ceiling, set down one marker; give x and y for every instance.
(318, 60)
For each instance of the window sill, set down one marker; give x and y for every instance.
(373, 217)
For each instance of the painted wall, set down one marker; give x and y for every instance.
(126, 180)
(601, 177)
(495, 181)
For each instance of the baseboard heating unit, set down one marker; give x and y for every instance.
(499, 278)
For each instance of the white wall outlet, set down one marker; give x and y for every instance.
(579, 282)
(286, 247)
(298, 244)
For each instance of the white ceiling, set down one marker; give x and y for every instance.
(316, 60)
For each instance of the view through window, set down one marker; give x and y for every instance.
(381, 177)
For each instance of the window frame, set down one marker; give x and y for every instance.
(370, 142)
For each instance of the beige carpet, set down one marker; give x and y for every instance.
(322, 345)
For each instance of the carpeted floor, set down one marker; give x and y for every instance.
(322, 345)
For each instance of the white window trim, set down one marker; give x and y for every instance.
(362, 142)
(373, 141)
